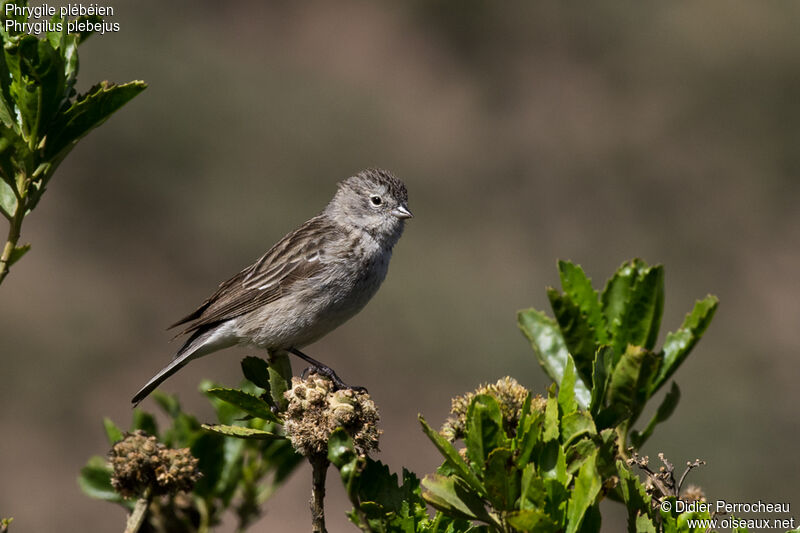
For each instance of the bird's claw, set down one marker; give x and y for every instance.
(323, 370)
(328, 372)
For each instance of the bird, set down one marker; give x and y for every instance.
(310, 282)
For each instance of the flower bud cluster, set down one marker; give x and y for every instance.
(510, 396)
(315, 410)
(139, 462)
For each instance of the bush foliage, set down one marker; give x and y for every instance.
(42, 117)
(512, 461)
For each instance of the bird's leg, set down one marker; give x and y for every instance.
(325, 370)
(307, 370)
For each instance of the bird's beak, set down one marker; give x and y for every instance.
(402, 212)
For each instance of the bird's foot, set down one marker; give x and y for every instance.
(324, 370)
(328, 372)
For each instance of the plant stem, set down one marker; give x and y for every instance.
(319, 469)
(14, 229)
(202, 509)
(136, 518)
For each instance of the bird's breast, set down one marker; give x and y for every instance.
(323, 302)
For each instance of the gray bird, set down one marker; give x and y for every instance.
(309, 283)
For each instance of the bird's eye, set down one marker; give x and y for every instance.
(375, 199)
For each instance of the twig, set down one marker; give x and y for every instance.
(319, 469)
(689, 467)
(14, 229)
(136, 518)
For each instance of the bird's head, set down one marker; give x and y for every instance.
(374, 201)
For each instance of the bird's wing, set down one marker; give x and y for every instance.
(298, 256)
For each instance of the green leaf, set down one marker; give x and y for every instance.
(183, 431)
(550, 349)
(664, 411)
(551, 462)
(113, 433)
(209, 449)
(576, 331)
(15, 160)
(576, 425)
(7, 115)
(257, 371)
(633, 302)
(529, 432)
(532, 489)
(227, 413)
(644, 525)
(556, 502)
(630, 379)
(380, 486)
(340, 448)
(679, 344)
(86, 113)
(532, 520)
(144, 421)
(342, 453)
(636, 499)
(502, 479)
(645, 305)
(601, 375)
(280, 378)
(8, 201)
(578, 286)
(551, 416)
(168, 402)
(566, 391)
(452, 457)
(250, 404)
(524, 420)
(592, 520)
(614, 298)
(441, 494)
(612, 416)
(577, 453)
(587, 487)
(95, 480)
(241, 432)
(37, 84)
(232, 470)
(451, 497)
(484, 431)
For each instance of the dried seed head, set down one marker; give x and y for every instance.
(315, 410)
(139, 462)
(693, 493)
(463, 453)
(509, 394)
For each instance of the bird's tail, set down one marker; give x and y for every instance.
(202, 342)
(175, 365)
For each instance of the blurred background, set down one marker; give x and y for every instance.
(525, 133)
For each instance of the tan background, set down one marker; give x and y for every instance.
(524, 133)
